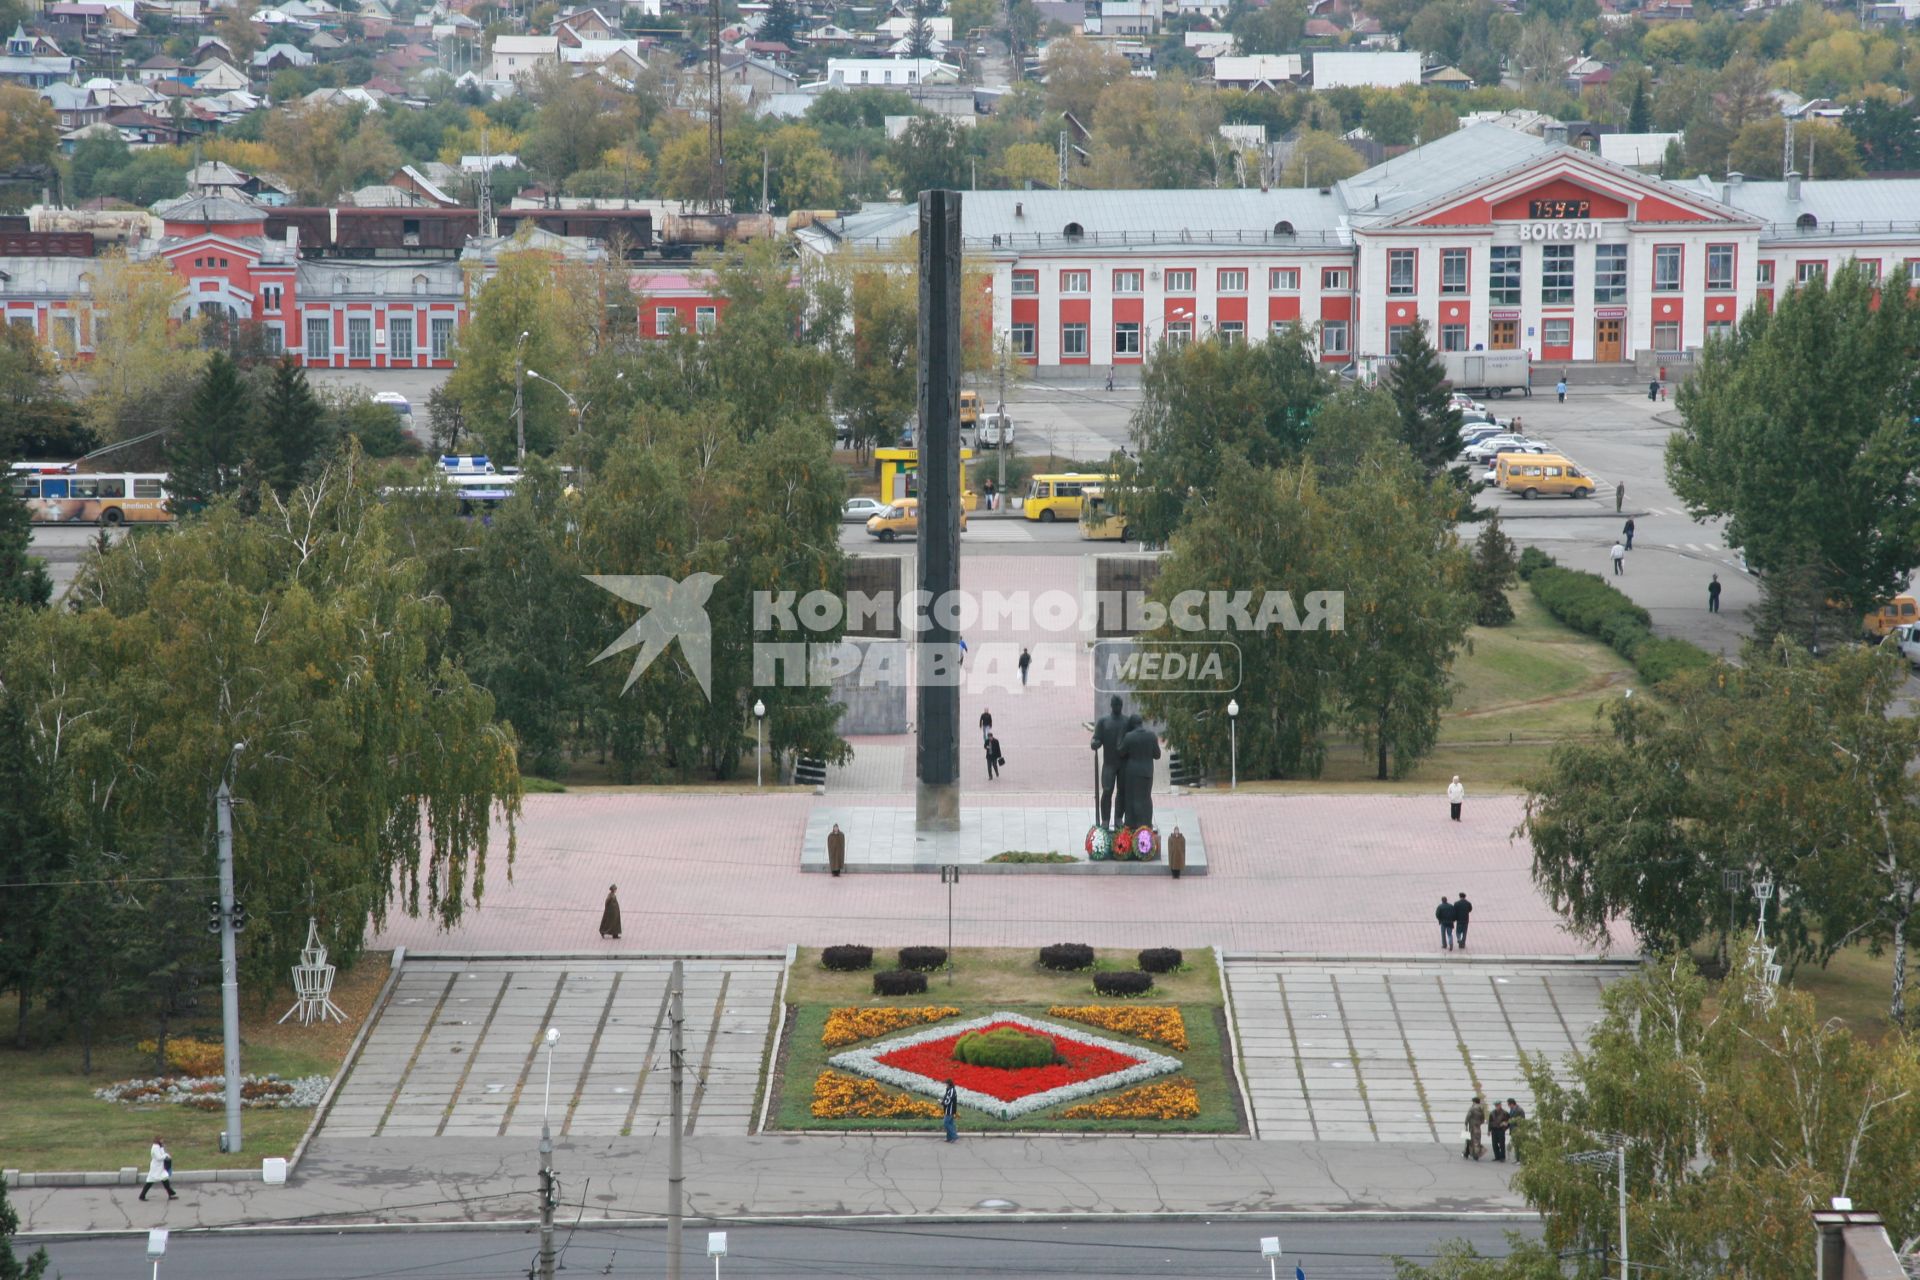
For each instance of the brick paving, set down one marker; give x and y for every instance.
(1396, 1052)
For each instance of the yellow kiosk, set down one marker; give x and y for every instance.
(900, 476)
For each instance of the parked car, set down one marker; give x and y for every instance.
(903, 517)
(861, 509)
(1486, 450)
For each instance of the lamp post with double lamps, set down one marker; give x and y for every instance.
(578, 407)
(760, 742)
(1601, 1159)
(549, 1191)
(1233, 743)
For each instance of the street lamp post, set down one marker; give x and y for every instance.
(760, 742)
(519, 397)
(1270, 1250)
(1233, 743)
(578, 407)
(1618, 1159)
(547, 1196)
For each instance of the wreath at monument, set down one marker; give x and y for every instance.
(1099, 843)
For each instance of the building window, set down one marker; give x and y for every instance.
(1453, 337)
(1666, 337)
(1126, 282)
(1023, 341)
(1026, 282)
(1763, 274)
(1503, 275)
(1871, 266)
(1076, 281)
(319, 338)
(705, 318)
(1179, 332)
(1556, 275)
(1812, 271)
(1233, 281)
(419, 286)
(270, 297)
(1232, 332)
(666, 320)
(1719, 329)
(1397, 338)
(1400, 271)
(1284, 279)
(1503, 335)
(1610, 273)
(400, 337)
(1453, 270)
(1073, 342)
(1720, 266)
(1126, 338)
(359, 338)
(276, 339)
(440, 332)
(1666, 268)
(1556, 333)
(1333, 337)
(66, 334)
(1335, 279)
(1180, 281)
(340, 284)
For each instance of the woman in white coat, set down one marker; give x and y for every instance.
(159, 1169)
(1456, 796)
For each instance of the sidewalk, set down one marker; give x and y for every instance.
(784, 1175)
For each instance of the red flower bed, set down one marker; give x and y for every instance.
(934, 1059)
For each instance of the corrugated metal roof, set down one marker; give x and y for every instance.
(1838, 207)
(1446, 164)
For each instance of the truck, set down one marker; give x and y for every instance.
(1489, 373)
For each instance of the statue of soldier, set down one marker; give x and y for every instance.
(1138, 750)
(1107, 734)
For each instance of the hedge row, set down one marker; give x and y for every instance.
(1590, 605)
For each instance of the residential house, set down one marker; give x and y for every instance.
(1332, 70)
(423, 190)
(35, 61)
(1269, 71)
(586, 24)
(74, 108)
(279, 57)
(1446, 78)
(159, 67)
(215, 75)
(1642, 151)
(515, 56)
(850, 73)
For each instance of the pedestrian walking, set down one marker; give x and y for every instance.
(1444, 914)
(1476, 1120)
(1619, 497)
(991, 495)
(1560, 389)
(1713, 595)
(994, 758)
(950, 1112)
(963, 649)
(610, 914)
(1514, 1116)
(1461, 910)
(986, 725)
(1456, 796)
(159, 1169)
(1653, 389)
(1619, 559)
(1497, 1123)
(1026, 660)
(1109, 377)
(1627, 530)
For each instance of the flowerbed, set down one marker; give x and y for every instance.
(842, 1097)
(1164, 1100)
(922, 1062)
(854, 1024)
(210, 1094)
(1161, 1025)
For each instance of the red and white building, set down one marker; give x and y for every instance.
(1496, 239)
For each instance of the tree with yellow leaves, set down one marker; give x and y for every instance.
(146, 358)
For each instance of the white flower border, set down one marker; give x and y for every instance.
(866, 1062)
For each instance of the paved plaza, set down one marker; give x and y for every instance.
(456, 1051)
(1396, 1052)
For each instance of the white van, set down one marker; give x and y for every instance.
(994, 429)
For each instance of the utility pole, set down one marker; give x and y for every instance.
(549, 1190)
(229, 964)
(519, 398)
(1000, 487)
(1620, 1159)
(677, 1057)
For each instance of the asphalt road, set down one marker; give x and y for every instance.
(1006, 1251)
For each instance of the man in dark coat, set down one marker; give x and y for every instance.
(1444, 914)
(610, 914)
(1138, 750)
(1107, 734)
(1461, 910)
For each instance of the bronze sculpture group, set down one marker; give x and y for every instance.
(1123, 799)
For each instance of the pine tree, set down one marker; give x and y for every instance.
(206, 451)
(1495, 567)
(1639, 115)
(23, 578)
(1429, 421)
(290, 432)
(919, 35)
(780, 24)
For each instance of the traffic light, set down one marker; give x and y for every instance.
(213, 915)
(239, 916)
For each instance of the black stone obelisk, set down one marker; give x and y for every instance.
(937, 763)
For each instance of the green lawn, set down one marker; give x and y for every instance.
(1857, 988)
(989, 980)
(51, 1122)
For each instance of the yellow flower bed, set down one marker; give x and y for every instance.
(1174, 1099)
(854, 1024)
(1162, 1025)
(840, 1097)
(190, 1057)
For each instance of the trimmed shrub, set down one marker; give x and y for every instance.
(1585, 602)
(899, 982)
(1532, 558)
(847, 959)
(1161, 959)
(1066, 957)
(1661, 658)
(1123, 982)
(923, 959)
(1005, 1047)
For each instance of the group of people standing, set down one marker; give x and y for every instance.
(1501, 1124)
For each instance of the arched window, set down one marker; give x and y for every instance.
(1806, 222)
(1073, 231)
(419, 286)
(1283, 228)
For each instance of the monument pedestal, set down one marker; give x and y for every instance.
(936, 806)
(892, 838)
